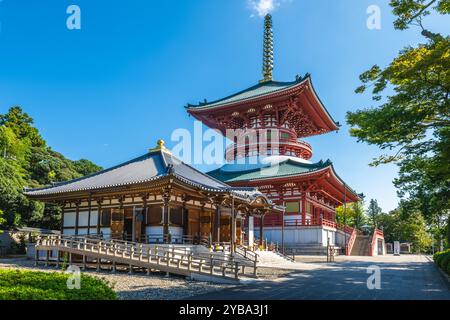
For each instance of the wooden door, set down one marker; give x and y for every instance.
(225, 229)
(194, 222)
(117, 222)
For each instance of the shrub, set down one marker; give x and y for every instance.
(32, 285)
(445, 260)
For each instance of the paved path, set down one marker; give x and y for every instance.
(402, 278)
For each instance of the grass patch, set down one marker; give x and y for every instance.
(36, 285)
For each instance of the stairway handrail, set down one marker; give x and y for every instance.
(351, 241)
(131, 250)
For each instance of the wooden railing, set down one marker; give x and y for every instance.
(170, 258)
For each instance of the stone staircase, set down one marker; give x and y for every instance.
(270, 258)
(361, 247)
(308, 249)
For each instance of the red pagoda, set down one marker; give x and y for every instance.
(282, 114)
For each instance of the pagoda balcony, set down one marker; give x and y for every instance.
(296, 223)
(288, 146)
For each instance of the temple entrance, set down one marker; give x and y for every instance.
(117, 222)
(225, 229)
(193, 223)
(128, 224)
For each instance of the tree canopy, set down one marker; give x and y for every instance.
(27, 161)
(412, 115)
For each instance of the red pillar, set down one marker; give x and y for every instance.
(303, 211)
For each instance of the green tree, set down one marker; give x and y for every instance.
(22, 125)
(355, 215)
(405, 226)
(86, 167)
(26, 161)
(373, 212)
(413, 118)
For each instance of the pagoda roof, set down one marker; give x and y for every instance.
(287, 169)
(147, 168)
(258, 90)
(261, 93)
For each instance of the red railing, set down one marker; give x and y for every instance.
(299, 223)
(351, 241)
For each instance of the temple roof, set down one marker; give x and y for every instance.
(262, 95)
(152, 166)
(286, 168)
(261, 89)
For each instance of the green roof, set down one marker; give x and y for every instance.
(286, 168)
(260, 89)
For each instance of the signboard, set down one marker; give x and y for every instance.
(396, 248)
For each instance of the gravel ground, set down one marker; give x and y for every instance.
(138, 286)
(156, 286)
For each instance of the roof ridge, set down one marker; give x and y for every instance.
(258, 85)
(62, 183)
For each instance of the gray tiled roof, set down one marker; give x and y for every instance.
(149, 167)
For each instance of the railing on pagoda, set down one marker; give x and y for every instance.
(298, 223)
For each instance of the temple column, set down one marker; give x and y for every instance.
(251, 232)
(216, 231)
(144, 217)
(261, 230)
(233, 226)
(62, 217)
(185, 217)
(166, 215)
(99, 212)
(77, 217)
(303, 210)
(89, 214)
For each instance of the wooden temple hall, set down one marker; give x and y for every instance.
(156, 198)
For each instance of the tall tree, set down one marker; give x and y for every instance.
(26, 161)
(413, 119)
(373, 212)
(354, 215)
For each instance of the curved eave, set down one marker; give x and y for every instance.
(333, 179)
(201, 112)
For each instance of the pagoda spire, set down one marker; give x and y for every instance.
(267, 49)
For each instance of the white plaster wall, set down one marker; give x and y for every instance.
(328, 234)
(83, 218)
(69, 232)
(158, 230)
(301, 236)
(375, 253)
(82, 231)
(94, 215)
(69, 219)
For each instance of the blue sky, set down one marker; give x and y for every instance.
(107, 92)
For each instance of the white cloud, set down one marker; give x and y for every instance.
(263, 7)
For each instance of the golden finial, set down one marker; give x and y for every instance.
(160, 146)
(267, 49)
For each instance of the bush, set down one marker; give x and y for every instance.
(32, 285)
(438, 256)
(445, 260)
